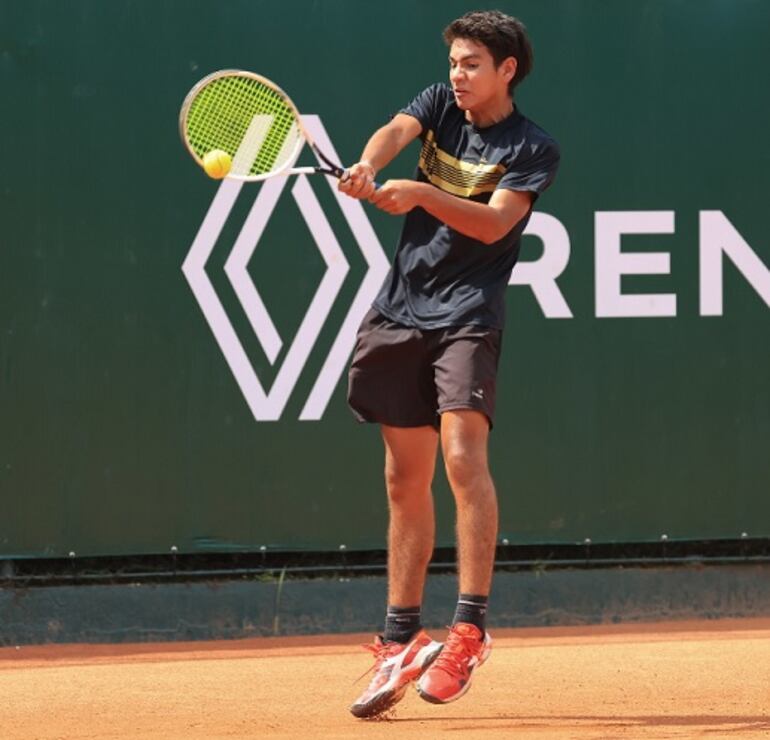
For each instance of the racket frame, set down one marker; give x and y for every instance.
(304, 135)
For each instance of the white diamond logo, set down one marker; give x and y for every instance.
(269, 405)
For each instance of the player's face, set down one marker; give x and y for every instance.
(475, 79)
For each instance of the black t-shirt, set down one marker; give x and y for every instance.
(440, 277)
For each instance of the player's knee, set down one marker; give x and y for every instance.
(405, 485)
(464, 469)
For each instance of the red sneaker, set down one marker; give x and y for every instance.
(450, 676)
(396, 666)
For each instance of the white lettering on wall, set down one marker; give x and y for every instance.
(611, 263)
(717, 237)
(541, 274)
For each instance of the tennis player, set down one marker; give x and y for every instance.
(425, 362)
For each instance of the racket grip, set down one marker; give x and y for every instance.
(343, 175)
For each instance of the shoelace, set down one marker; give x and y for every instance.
(381, 651)
(457, 649)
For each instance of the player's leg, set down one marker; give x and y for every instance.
(410, 461)
(464, 436)
(466, 368)
(466, 365)
(405, 650)
(391, 383)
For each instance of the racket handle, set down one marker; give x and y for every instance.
(344, 175)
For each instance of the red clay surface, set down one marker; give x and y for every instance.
(676, 680)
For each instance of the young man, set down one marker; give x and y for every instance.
(426, 356)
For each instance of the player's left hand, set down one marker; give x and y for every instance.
(358, 181)
(396, 196)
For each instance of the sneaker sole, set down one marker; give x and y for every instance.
(387, 699)
(435, 700)
(382, 703)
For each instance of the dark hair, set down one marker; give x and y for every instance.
(504, 36)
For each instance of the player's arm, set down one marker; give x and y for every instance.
(486, 222)
(384, 145)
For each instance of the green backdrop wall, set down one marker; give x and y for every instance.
(139, 406)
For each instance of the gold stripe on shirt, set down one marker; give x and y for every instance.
(454, 175)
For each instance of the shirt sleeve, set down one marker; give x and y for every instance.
(534, 169)
(427, 106)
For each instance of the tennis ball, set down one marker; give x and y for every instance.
(217, 163)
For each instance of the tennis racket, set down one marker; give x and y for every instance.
(253, 120)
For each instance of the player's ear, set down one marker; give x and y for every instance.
(509, 65)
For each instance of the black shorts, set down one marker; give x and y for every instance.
(406, 377)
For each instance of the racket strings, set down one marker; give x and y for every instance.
(248, 120)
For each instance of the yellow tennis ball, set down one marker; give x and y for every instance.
(217, 163)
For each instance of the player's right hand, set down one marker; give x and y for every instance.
(359, 181)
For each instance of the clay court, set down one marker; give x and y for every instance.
(674, 680)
